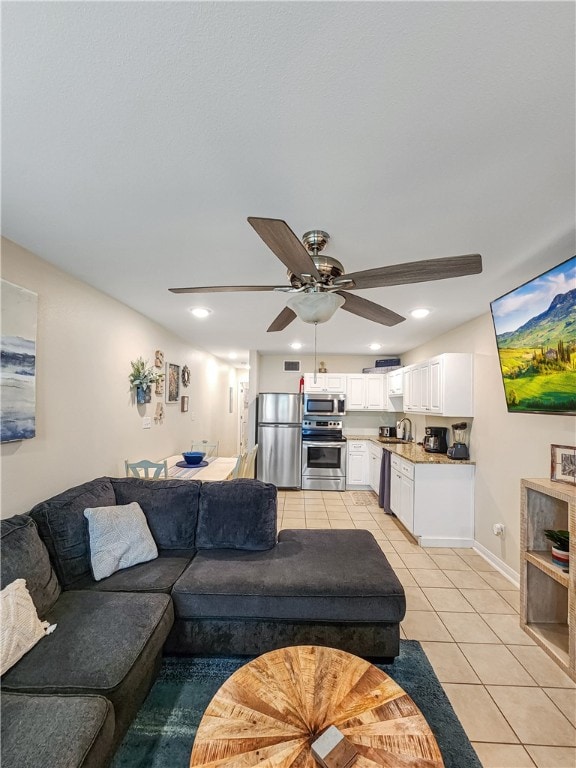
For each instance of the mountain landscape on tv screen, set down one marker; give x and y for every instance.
(538, 359)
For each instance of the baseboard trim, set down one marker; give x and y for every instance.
(499, 564)
(427, 541)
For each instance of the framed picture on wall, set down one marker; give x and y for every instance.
(184, 403)
(172, 382)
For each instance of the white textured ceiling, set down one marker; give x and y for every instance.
(137, 138)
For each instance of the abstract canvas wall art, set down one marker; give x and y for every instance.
(17, 363)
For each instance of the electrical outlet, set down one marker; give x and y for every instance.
(498, 529)
(146, 422)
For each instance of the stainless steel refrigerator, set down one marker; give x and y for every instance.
(280, 439)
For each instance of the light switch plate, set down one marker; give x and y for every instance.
(146, 422)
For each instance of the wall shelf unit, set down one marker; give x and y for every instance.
(547, 593)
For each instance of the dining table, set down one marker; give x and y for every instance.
(214, 468)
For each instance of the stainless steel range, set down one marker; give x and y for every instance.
(323, 455)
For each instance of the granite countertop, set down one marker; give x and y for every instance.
(409, 451)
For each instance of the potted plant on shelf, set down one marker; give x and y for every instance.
(560, 546)
(142, 376)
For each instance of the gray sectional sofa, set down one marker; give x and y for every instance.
(223, 583)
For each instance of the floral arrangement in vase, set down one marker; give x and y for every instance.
(141, 377)
(560, 546)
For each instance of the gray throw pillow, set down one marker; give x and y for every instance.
(119, 538)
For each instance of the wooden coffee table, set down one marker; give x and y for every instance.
(272, 709)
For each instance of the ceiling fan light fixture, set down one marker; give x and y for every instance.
(420, 312)
(316, 306)
(200, 312)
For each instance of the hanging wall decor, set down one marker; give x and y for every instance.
(158, 358)
(173, 382)
(184, 404)
(185, 376)
(141, 378)
(18, 363)
(159, 415)
(159, 387)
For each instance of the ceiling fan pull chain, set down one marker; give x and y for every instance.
(315, 366)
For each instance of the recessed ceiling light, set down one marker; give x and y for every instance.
(200, 312)
(375, 347)
(296, 345)
(232, 355)
(419, 313)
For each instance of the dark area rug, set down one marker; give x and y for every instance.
(163, 732)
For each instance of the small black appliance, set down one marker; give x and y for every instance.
(387, 432)
(435, 440)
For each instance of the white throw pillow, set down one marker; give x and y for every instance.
(20, 627)
(119, 538)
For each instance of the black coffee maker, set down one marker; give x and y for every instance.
(435, 440)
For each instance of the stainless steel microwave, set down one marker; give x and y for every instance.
(324, 405)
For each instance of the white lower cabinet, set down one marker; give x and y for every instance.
(375, 463)
(435, 502)
(357, 468)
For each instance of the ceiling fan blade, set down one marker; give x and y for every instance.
(417, 271)
(224, 288)
(369, 310)
(284, 318)
(285, 245)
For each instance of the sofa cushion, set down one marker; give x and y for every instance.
(119, 537)
(24, 556)
(154, 576)
(20, 627)
(170, 506)
(310, 575)
(106, 643)
(64, 528)
(237, 514)
(57, 731)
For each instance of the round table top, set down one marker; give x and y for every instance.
(272, 709)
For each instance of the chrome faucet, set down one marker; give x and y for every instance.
(407, 436)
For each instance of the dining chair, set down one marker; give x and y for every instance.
(210, 449)
(238, 469)
(248, 468)
(143, 468)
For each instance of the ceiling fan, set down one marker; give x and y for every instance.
(320, 285)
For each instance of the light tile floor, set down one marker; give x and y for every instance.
(517, 707)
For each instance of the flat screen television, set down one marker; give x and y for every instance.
(535, 327)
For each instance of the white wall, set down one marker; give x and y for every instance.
(87, 422)
(505, 446)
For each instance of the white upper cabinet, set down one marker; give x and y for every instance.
(334, 383)
(366, 392)
(442, 385)
(396, 382)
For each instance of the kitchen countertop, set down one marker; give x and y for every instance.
(409, 451)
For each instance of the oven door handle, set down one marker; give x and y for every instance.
(319, 444)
